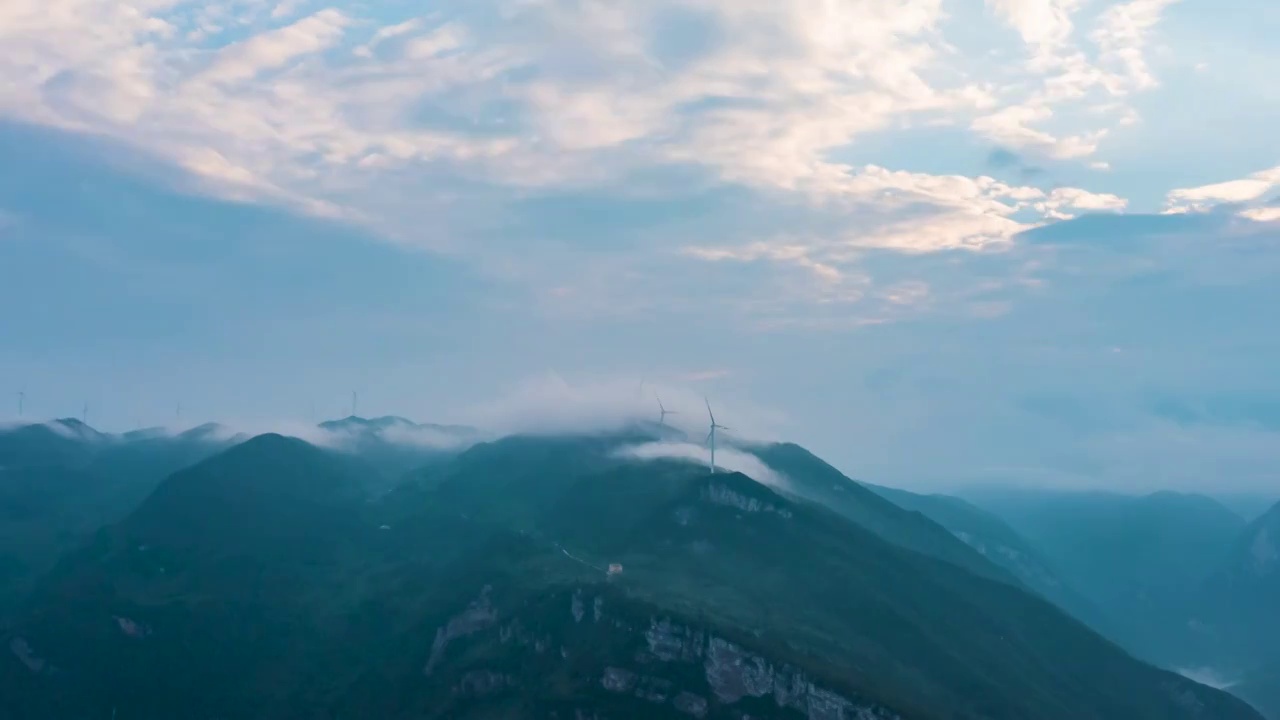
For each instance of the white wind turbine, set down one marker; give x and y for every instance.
(711, 436)
(664, 412)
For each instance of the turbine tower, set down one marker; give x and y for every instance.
(84, 414)
(664, 412)
(711, 436)
(22, 396)
(354, 397)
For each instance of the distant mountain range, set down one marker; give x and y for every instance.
(61, 480)
(395, 445)
(1184, 581)
(549, 577)
(1238, 612)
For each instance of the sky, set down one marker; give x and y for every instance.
(935, 241)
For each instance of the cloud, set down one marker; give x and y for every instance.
(427, 437)
(404, 434)
(1127, 356)
(274, 49)
(287, 8)
(434, 128)
(727, 458)
(1068, 74)
(1245, 194)
(1045, 25)
(511, 95)
(919, 214)
(550, 404)
(1121, 35)
(1208, 676)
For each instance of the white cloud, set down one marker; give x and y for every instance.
(550, 404)
(1208, 676)
(801, 79)
(1244, 191)
(1046, 25)
(1262, 214)
(973, 214)
(727, 458)
(440, 40)
(429, 126)
(286, 8)
(1012, 126)
(406, 434)
(1069, 72)
(1121, 35)
(274, 49)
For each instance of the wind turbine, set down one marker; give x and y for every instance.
(353, 403)
(84, 414)
(21, 397)
(662, 418)
(711, 436)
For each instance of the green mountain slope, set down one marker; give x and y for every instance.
(263, 584)
(810, 477)
(61, 442)
(61, 481)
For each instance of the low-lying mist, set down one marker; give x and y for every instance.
(727, 458)
(545, 405)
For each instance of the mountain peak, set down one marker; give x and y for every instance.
(147, 433)
(272, 445)
(71, 427)
(268, 489)
(355, 421)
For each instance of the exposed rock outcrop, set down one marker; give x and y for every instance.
(682, 667)
(481, 683)
(478, 615)
(21, 649)
(724, 495)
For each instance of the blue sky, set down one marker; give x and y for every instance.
(937, 241)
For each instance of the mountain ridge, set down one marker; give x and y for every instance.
(429, 595)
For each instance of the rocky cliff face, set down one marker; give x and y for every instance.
(610, 658)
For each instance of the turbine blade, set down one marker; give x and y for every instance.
(713, 415)
(708, 440)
